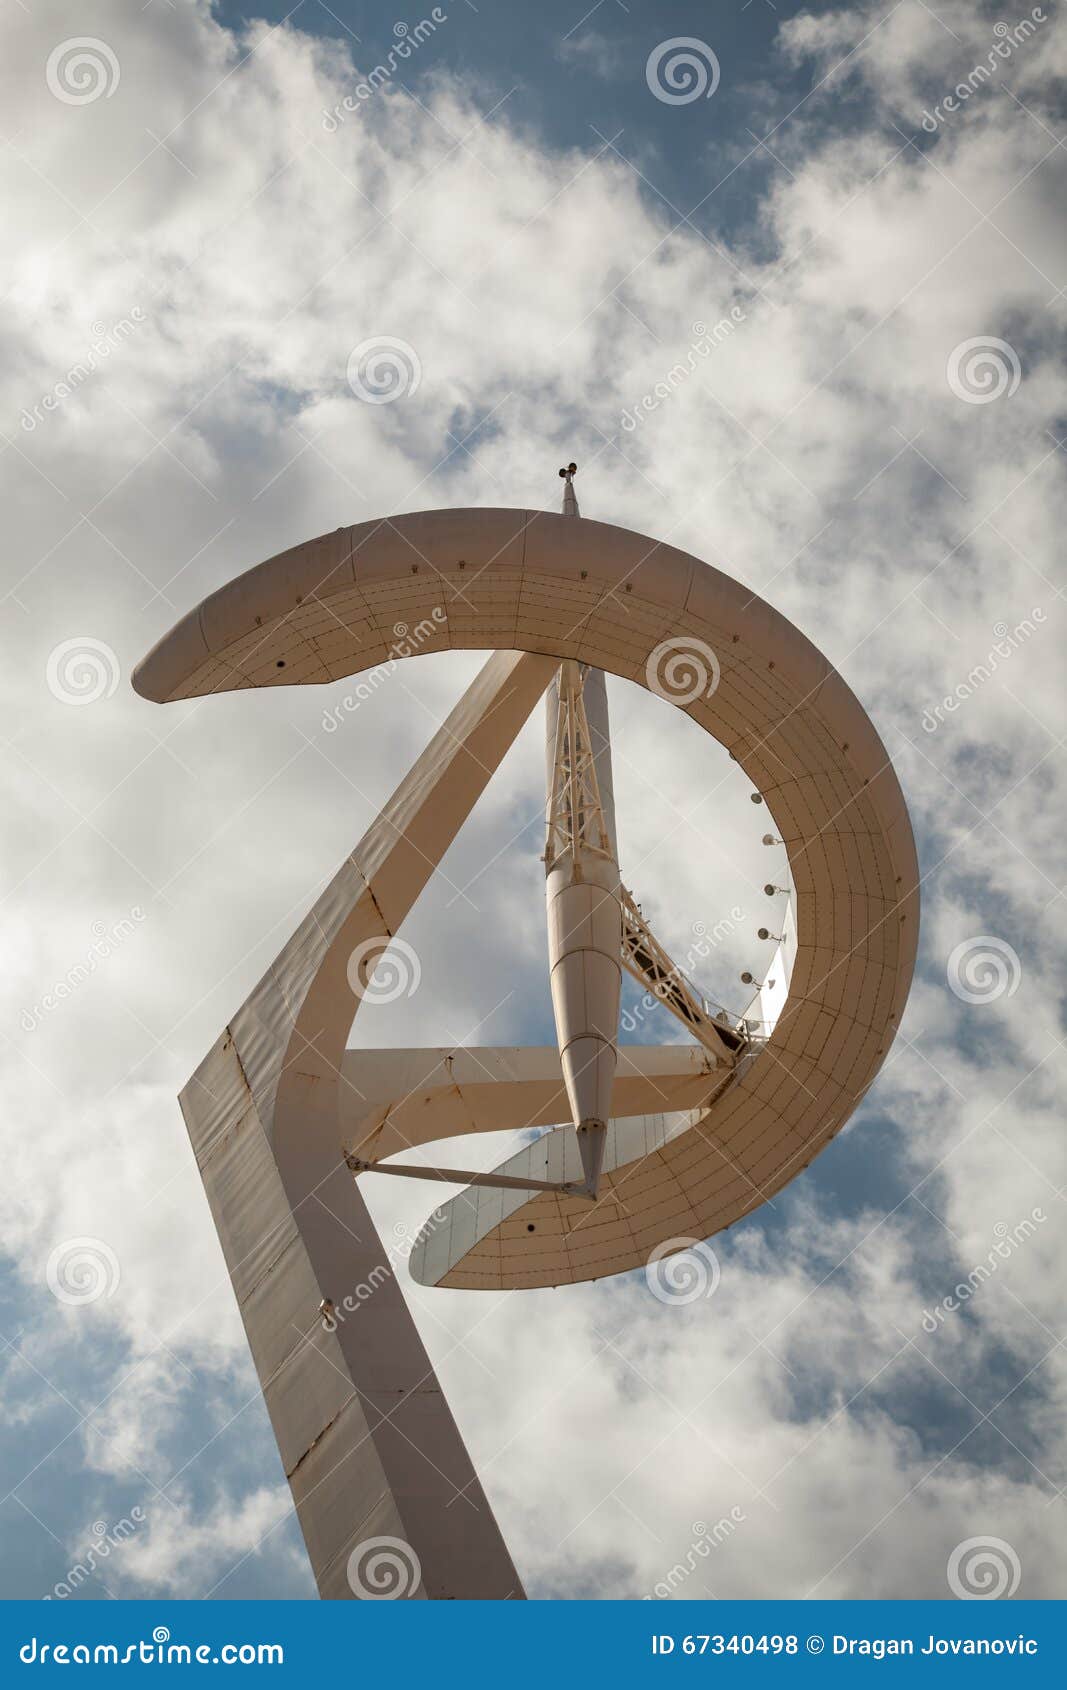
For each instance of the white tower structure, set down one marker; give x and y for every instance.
(583, 894)
(651, 1148)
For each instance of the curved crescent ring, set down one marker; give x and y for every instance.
(508, 580)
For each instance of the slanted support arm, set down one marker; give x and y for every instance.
(460, 1176)
(644, 958)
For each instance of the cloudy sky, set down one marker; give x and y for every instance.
(209, 210)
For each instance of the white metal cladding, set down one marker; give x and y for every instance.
(392, 1100)
(583, 907)
(535, 582)
(457, 1226)
(365, 1434)
(774, 989)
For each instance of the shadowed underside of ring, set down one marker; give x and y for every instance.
(691, 1149)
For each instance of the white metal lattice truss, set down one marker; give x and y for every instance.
(576, 821)
(644, 958)
(657, 1143)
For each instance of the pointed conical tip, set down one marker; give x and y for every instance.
(592, 1143)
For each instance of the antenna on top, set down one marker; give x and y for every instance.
(570, 500)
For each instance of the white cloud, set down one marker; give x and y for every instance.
(183, 1551)
(590, 50)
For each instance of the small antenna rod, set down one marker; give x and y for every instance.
(570, 500)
